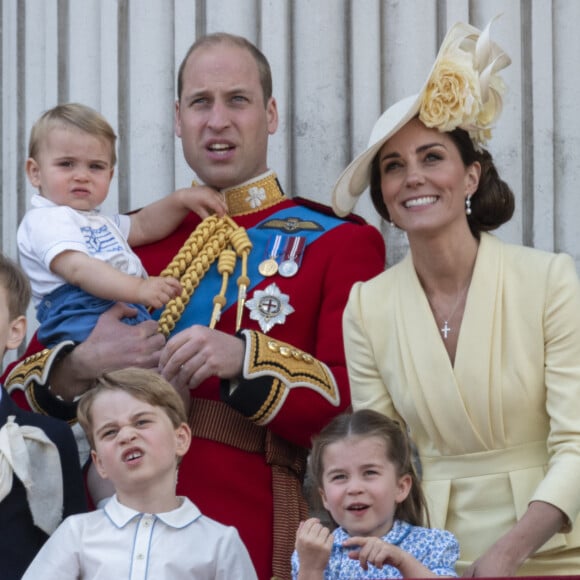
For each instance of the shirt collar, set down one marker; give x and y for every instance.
(38, 200)
(180, 517)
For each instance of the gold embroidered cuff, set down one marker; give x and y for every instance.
(274, 368)
(31, 376)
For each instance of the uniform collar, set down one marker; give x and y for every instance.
(254, 195)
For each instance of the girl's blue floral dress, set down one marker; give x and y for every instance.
(437, 550)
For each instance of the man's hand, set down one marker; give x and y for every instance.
(197, 353)
(111, 345)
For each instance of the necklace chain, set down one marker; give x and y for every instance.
(446, 329)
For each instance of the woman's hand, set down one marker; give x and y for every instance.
(504, 558)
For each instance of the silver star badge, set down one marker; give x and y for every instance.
(269, 307)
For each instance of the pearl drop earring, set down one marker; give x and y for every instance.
(468, 205)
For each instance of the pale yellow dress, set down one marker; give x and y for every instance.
(502, 426)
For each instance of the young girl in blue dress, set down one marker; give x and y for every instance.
(361, 466)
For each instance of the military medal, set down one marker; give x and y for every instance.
(292, 256)
(288, 268)
(269, 307)
(269, 266)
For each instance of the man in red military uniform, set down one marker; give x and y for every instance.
(256, 352)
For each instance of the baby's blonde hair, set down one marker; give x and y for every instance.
(72, 115)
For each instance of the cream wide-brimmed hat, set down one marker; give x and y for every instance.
(462, 90)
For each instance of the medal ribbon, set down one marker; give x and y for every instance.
(273, 249)
(294, 249)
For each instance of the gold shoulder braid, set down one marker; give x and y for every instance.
(213, 238)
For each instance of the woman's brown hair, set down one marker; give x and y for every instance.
(492, 204)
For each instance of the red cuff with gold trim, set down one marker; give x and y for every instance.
(271, 369)
(31, 376)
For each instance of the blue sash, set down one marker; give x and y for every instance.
(200, 307)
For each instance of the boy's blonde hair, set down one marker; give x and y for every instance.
(17, 287)
(72, 115)
(145, 385)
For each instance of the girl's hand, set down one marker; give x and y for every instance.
(313, 544)
(370, 549)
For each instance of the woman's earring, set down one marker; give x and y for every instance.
(468, 205)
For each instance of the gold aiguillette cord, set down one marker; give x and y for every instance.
(211, 239)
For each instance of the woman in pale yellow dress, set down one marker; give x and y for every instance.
(473, 343)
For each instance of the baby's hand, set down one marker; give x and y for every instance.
(203, 200)
(313, 544)
(157, 291)
(370, 549)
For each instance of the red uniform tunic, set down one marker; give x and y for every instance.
(294, 377)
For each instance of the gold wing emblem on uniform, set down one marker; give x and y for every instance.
(291, 225)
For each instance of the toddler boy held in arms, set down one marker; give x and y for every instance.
(78, 260)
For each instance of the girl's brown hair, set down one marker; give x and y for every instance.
(363, 424)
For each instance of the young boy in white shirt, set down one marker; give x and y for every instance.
(137, 427)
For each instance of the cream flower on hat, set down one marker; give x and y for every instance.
(451, 97)
(462, 90)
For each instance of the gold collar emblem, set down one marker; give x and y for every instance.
(254, 195)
